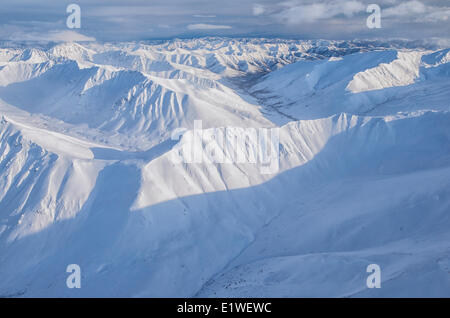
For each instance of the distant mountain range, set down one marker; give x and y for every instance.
(87, 176)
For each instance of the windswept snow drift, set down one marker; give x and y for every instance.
(87, 174)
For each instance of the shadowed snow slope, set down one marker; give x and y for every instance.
(88, 176)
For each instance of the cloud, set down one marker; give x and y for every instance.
(258, 9)
(204, 15)
(153, 9)
(417, 11)
(298, 13)
(202, 26)
(405, 9)
(47, 36)
(441, 15)
(68, 36)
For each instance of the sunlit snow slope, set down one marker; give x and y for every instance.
(87, 174)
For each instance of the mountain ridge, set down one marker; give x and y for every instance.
(88, 136)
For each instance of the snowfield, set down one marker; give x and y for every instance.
(87, 174)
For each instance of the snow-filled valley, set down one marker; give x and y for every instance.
(87, 174)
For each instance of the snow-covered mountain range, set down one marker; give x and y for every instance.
(87, 176)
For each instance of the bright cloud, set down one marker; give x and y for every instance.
(295, 12)
(202, 26)
(48, 36)
(418, 11)
(204, 15)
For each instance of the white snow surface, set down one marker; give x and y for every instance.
(87, 176)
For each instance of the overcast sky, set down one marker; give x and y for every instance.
(129, 20)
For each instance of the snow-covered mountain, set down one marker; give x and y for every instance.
(87, 174)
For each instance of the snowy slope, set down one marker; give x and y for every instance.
(377, 83)
(88, 177)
